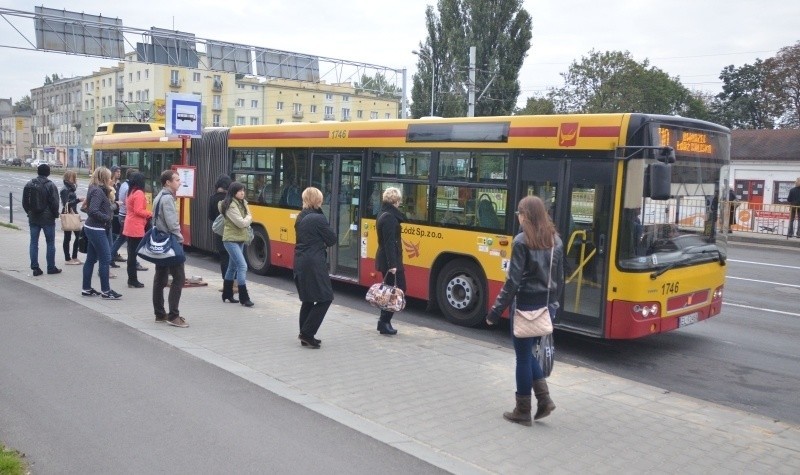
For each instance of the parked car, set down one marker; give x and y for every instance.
(37, 162)
(16, 162)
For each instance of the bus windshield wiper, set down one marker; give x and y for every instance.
(667, 267)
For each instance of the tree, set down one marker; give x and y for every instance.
(377, 85)
(783, 81)
(23, 105)
(501, 32)
(51, 79)
(537, 106)
(613, 81)
(745, 102)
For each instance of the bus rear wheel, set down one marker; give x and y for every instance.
(257, 252)
(460, 294)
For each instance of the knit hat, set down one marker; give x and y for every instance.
(43, 169)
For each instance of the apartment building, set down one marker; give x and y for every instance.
(57, 122)
(15, 141)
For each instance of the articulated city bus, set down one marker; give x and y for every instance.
(635, 198)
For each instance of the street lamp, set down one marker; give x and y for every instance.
(425, 55)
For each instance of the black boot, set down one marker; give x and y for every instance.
(522, 412)
(544, 405)
(244, 297)
(227, 291)
(385, 324)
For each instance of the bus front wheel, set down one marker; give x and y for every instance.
(257, 252)
(460, 294)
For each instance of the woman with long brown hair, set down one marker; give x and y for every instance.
(70, 200)
(535, 275)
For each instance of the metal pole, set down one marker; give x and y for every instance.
(471, 85)
(404, 100)
(433, 84)
(10, 207)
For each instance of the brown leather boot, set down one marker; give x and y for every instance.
(522, 413)
(544, 405)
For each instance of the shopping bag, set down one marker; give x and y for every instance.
(161, 248)
(545, 353)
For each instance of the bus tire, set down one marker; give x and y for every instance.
(257, 252)
(460, 294)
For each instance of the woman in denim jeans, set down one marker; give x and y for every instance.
(234, 237)
(98, 209)
(535, 274)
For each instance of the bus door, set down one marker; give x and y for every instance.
(338, 176)
(578, 198)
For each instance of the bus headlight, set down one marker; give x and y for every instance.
(717, 293)
(646, 310)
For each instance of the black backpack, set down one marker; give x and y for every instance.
(34, 196)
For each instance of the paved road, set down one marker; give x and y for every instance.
(84, 394)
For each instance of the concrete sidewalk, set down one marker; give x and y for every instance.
(435, 395)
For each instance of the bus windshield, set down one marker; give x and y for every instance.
(686, 228)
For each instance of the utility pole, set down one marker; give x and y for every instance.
(471, 83)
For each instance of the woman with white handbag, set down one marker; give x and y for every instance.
(535, 275)
(69, 203)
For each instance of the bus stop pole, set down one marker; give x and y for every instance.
(10, 207)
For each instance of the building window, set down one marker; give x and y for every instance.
(104, 83)
(130, 97)
(328, 97)
(278, 121)
(255, 88)
(239, 120)
(240, 86)
(373, 115)
(239, 102)
(196, 77)
(138, 75)
(146, 96)
(217, 101)
(254, 104)
(279, 106)
(147, 74)
(173, 77)
(781, 191)
(215, 120)
(130, 77)
(345, 114)
(87, 87)
(253, 120)
(138, 95)
(104, 102)
(313, 109)
(345, 98)
(388, 115)
(360, 114)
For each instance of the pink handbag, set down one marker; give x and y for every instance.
(386, 297)
(531, 323)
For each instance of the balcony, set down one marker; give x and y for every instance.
(175, 83)
(297, 115)
(329, 117)
(120, 87)
(216, 106)
(217, 86)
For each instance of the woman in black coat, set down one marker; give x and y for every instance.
(314, 237)
(389, 258)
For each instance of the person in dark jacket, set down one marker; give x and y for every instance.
(794, 201)
(44, 221)
(533, 281)
(222, 184)
(314, 237)
(96, 229)
(69, 202)
(389, 257)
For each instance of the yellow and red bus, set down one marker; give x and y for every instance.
(634, 196)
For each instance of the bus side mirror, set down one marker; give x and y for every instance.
(660, 181)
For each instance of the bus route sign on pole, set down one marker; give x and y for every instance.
(184, 115)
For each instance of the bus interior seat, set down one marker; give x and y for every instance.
(487, 213)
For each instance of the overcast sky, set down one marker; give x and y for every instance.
(690, 39)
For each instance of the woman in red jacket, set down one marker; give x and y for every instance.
(135, 221)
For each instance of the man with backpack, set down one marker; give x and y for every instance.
(41, 203)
